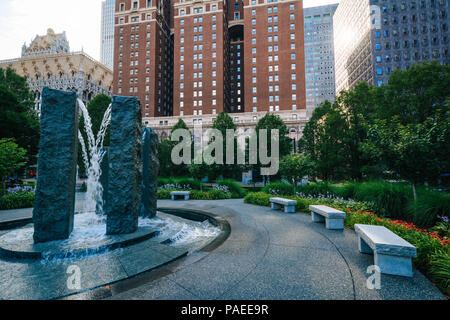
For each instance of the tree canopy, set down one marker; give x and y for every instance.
(401, 128)
(18, 120)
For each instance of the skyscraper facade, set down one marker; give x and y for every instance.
(274, 57)
(319, 55)
(201, 61)
(210, 56)
(374, 37)
(143, 51)
(107, 33)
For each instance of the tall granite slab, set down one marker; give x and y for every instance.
(125, 170)
(150, 169)
(104, 167)
(54, 204)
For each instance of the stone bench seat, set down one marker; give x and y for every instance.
(334, 219)
(289, 205)
(392, 254)
(184, 194)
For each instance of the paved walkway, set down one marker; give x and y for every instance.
(272, 255)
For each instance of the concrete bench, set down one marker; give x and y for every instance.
(289, 205)
(184, 194)
(334, 219)
(392, 253)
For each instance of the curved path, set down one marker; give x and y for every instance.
(272, 255)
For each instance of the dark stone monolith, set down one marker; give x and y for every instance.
(150, 168)
(104, 167)
(125, 169)
(54, 203)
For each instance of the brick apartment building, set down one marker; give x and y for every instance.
(143, 54)
(197, 57)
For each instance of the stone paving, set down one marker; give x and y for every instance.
(273, 255)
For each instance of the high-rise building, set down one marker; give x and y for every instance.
(236, 56)
(374, 37)
(107, 33)
(200, 57)
(48, 62)
(143, 54)
(319, 55)
(274, 56)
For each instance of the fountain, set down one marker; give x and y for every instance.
(120, 233)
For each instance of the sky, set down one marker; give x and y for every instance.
(22, 20)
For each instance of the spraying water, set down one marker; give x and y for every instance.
(93, 154)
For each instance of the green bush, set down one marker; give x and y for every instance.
(439, 272)
(429, 206)
(191, 183)
(279, 189)
(17, 200)
(237, 191)
(316, 189)
(163, 194)
(389, 199)
(165, 181)
(210, 195)
(258, 198)
(346, 190)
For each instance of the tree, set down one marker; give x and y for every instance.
(167, 167)
(12, 158)
(416, 152)
(414, 94)
(18, 120)
(294, 167)
(322, 140)
(179, 125)
(198, 172)
(269, 122)
(224, 122)
(357, 107)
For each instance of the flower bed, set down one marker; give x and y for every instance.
(433, 250)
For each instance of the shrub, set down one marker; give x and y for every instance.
(17, 200)
(163, 194)
(346, 190)
(165, 181)
(210, 195)
(316, 189)
(388, 199)
(237, 191)
(189, 183)
(258, 198)
(279, 189)
(439, 272)
(429, 207)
